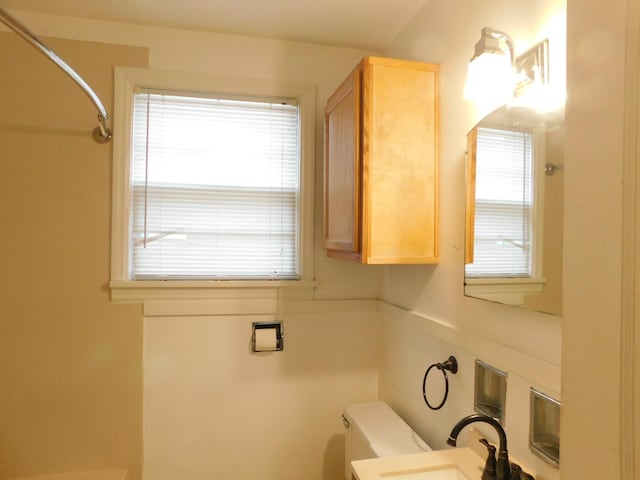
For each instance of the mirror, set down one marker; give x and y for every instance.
(514, 208)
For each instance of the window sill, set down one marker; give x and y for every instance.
(510, 291)
(128, 291)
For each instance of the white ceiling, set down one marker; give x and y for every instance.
(369, 24)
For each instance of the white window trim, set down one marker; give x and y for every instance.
(123, 289)
(529, 284)
(507, 290)
(511, 290)
(539, 160)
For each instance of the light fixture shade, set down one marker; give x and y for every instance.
(490, 78)
(491, 73)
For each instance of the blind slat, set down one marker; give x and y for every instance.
(215, 192)
(504, 204)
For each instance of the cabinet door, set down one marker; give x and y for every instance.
(400, 177)
(342, 173)
(470, 211)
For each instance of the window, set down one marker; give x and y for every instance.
(212, 180)
(215, 187)
(504, 219)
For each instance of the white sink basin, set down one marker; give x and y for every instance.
(450, 464)
(443, 472)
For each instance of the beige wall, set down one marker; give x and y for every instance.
(87, 374)
(235, 56)
(213, 409)
(436, 291)
(593, 241)
(70, 361)
(588, 349)
(442, 321)
(218, 402)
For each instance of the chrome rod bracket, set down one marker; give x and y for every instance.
(102, 133)
(551, 168)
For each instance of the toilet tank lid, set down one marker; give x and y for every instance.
(385, 431)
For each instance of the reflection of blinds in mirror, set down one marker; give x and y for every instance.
(215, 188)
(504, 205)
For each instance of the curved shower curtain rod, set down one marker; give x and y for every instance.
(102, 133)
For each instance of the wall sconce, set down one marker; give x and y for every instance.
(496, 73)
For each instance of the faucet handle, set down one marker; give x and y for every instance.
(516, 470)
(489, 472)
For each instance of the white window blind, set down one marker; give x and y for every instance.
(215, 188)
(504, 204)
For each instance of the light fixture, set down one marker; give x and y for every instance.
(490, 73)
(496, 75)
(532, 68)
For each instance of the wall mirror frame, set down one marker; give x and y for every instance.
(514, 208)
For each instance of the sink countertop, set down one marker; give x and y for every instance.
(391, 468)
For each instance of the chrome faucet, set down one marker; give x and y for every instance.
(502, 466)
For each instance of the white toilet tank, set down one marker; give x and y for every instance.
(374, 430)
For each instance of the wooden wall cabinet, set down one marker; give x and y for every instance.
(381, 164)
